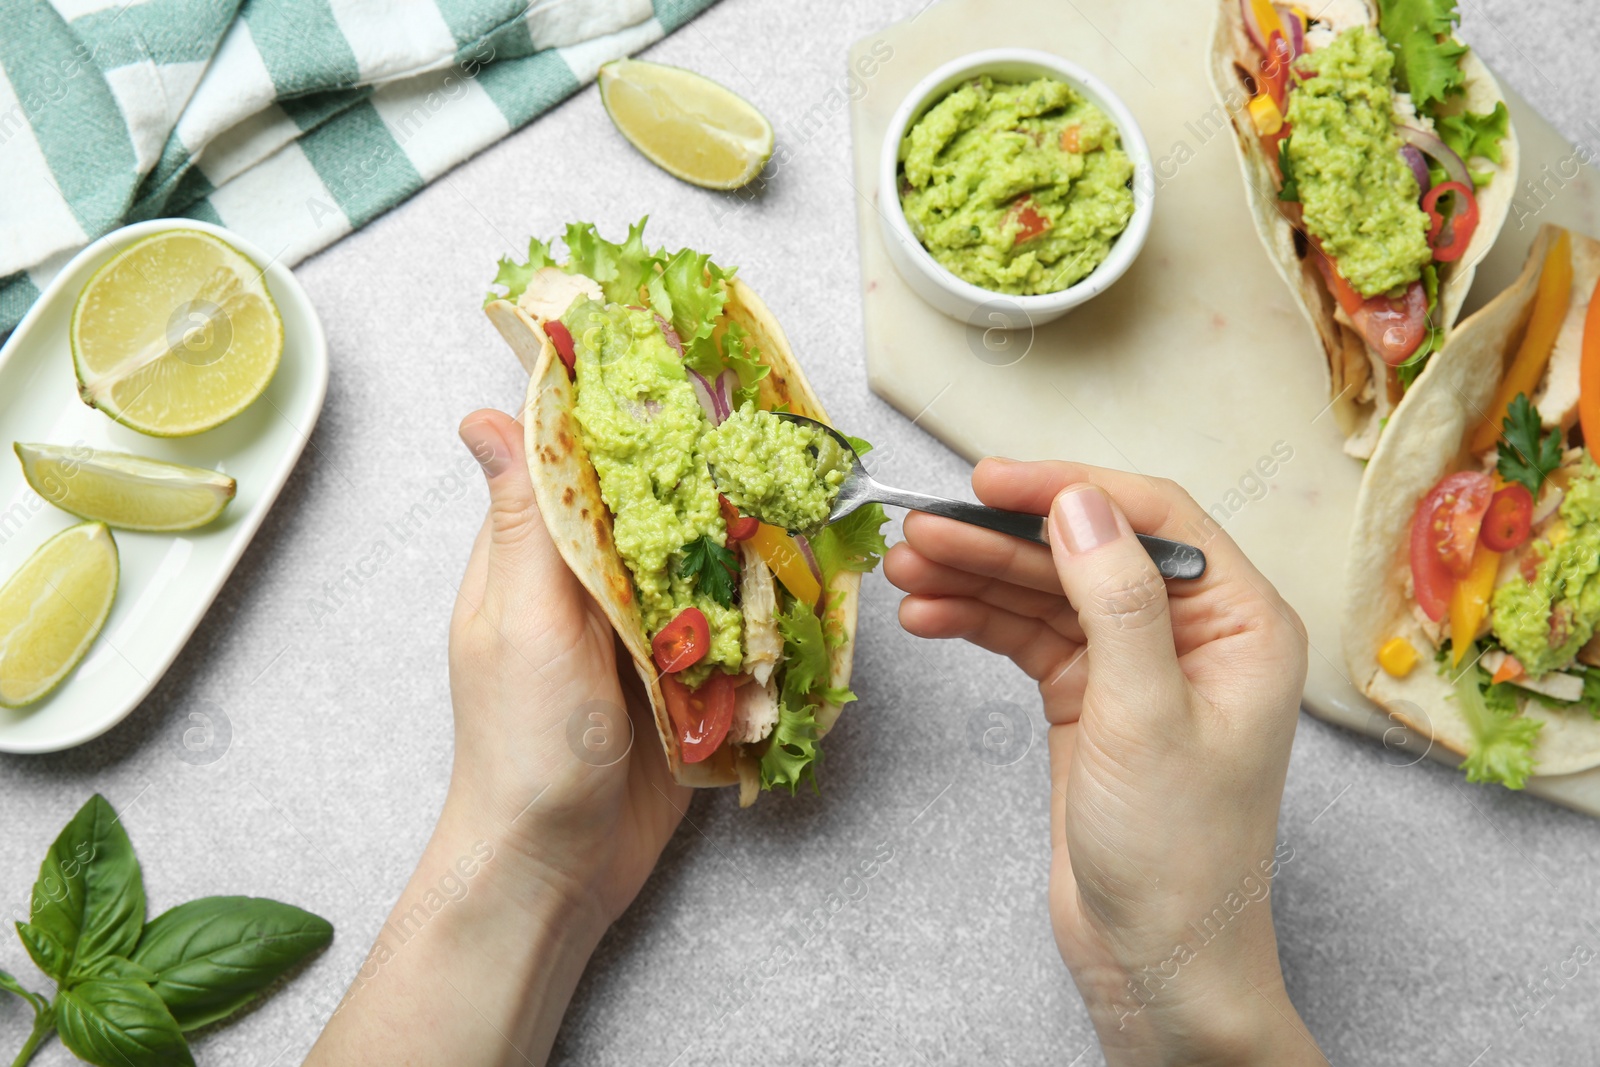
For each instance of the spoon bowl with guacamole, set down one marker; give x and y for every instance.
(802, 475)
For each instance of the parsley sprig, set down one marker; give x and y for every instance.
(1525, 456)
(712, 567)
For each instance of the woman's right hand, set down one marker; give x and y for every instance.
(1171, 711)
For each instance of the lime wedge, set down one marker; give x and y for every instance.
(52, 610)
(175, 335)
(128, 492)
(686, 124)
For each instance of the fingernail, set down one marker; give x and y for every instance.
(486, 446)
(1001, 459)
(1084, 519)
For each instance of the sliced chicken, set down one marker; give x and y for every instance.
(1557, 399)
(758, 596)
(755, 712)
(552, 290)
(1556, 684)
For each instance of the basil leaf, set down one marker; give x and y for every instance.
(49, 954)
(37, 1001)
(119, 968)
(119, 1023)
(88, 901)
(214, 955)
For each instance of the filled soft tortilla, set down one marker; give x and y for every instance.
(1358, 378)
(1425, 440)
(568, 493)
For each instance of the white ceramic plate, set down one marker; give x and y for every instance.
(168, 580)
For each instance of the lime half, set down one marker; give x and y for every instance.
(128, 492)
(686, 124)
(52, 610)
(175, 335)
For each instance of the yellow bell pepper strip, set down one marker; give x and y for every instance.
(1549, 308)
(780, 552)
(1265, 115)
(1470, 600)
(1589, 376)
(1397, 656)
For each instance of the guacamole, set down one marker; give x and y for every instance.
(642, 427)
(784, 473)
(1358, 194)
(1018, 188)
(1544, 622)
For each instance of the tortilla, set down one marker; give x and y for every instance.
(1357, 375)
(568, 494)
(1424, 441)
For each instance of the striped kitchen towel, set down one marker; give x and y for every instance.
(290, 121)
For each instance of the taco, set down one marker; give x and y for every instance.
(742, 634)
(1473, 578)
(1379, 163)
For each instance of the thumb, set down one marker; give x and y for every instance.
(1120, 597)
(520, 553)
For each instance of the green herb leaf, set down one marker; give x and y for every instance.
(854, 543)
(792, 756)
(211, 957)
(38, 1001)
(1290, 190)
(88, 901)
(1502, 740)
(860, 444)
(712, 567)
(805, 653)
(119, 1023)
(1524, 456)
(1420, 33)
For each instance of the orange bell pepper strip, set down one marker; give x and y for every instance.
(1589, 375)
(1470, 601)
(780, 552)
(1549, 308)
(1510, 670)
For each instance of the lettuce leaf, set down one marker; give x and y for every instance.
(690, 293)
(741, 356)
(854, 543)
(792, 756)
(514, 276)
(621, 269)
(1476, 134)
(1427, 55)
(805, 653)
(1502, 740)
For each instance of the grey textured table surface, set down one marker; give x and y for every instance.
(1415, 913)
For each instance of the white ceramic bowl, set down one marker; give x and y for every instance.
(961, 299)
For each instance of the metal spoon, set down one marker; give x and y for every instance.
(1174, 559)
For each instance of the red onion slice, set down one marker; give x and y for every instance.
(706, 393)
(1419, 166)
(1296, 28)
(1252, 27)
(1440, 152)
(725, 384)
(810, 558)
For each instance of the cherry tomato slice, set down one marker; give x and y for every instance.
(683, 642)
(561, 337)
(1465, 220)
(1394, 328)
(700, 717)
(1031, 224)
(1452, 515)
(740, 527)
(1509, 520)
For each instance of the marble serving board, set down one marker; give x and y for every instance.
(1195, 365)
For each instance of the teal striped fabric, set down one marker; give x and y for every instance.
(290, 121)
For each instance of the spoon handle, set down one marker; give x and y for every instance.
(1174, 559)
